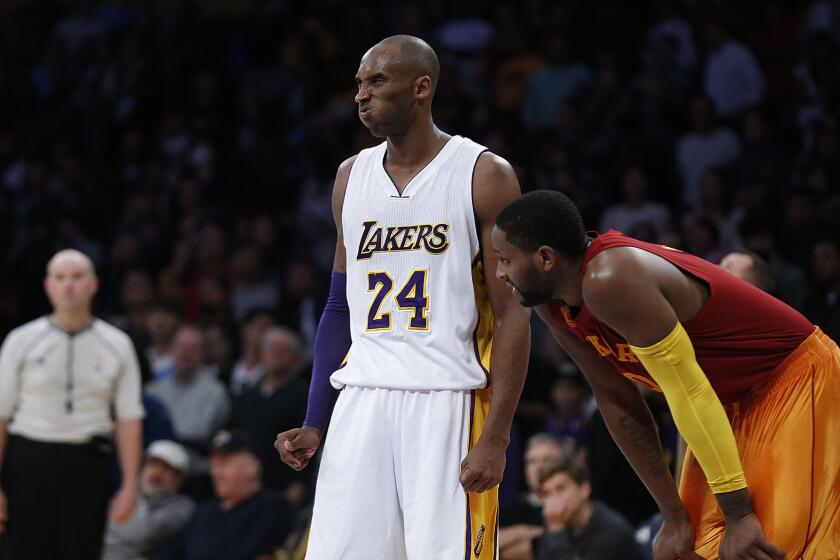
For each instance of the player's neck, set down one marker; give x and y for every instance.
(419, 145)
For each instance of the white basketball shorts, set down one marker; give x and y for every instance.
(389, 481)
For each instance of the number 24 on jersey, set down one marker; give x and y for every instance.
(412, 298)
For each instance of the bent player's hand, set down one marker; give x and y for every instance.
(483, 467)
(744, 539)
(675, 541)
(297, 446)
(122, 505)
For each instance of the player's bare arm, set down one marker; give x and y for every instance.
(494, 186)
(631, 425)
(297, 446)
(618, 284)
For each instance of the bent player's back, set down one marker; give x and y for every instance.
(419, 313)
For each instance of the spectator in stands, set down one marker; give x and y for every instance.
(69, 382)
(197, 402)
(160, 512)
(576, 527)
(707, 145)
(751, 268)
(301, 306)
(276, 404)
(251, 287)
(247, 371)
(218, 347)
(568, 414)
(162, 322)
(243, 521)
(560, 79)
(521, 522)
(636, 208)
(758, 236)
(733, 78)
(824, 307)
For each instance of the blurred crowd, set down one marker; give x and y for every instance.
(190, 147)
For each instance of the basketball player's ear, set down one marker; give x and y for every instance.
(423, 87)
(545, 258)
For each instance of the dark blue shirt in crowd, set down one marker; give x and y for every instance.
(259, 525)
(607, 536)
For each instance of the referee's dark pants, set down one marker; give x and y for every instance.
(57, 499)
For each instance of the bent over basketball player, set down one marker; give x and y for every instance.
(416, 447)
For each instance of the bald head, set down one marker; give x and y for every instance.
(70, 257)
(396, 79)
(70, 283)
(414, 56)
(751, 268)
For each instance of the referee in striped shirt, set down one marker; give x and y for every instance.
(69, 382)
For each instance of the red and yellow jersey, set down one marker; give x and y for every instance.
(740, 336)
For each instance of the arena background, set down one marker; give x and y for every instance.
(190, 148)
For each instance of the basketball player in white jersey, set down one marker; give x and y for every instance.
(416, 447)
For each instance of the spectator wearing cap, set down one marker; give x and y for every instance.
(160, 512)
(243, 521)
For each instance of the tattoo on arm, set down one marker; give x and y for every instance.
(645, 441)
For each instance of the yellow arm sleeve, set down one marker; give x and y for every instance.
(697, 411)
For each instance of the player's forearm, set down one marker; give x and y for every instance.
(129, 436)
(631, 424)
(508, 366)
(332, 342)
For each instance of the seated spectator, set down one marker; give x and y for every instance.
(576, 527)
(301, 303)
(558, 80)
(521, 521)
(824, 306)
(197, 401)
(568, 414)
(707, 145)
(758, 234)
(733, 77)
(162, 322)
(244, 520)
(750, 268)
(252, 287)
(160, 512)
(276, 404)
(218, 347)
(636, 208)
(247, 370)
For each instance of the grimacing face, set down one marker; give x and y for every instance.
(385, 92)
(518, 270)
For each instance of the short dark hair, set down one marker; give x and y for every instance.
(544, 218)
(575, 468)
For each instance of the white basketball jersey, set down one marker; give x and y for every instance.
(419, 314)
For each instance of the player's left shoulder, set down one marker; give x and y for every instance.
(614, 274)
(495, 184)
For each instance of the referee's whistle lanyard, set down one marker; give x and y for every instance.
(68, 374)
